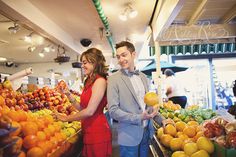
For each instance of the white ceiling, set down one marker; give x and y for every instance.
(80, 20)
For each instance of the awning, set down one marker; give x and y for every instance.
(196, 49)
(164, 65)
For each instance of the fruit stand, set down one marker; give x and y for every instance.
(194, 132)
(28, 127)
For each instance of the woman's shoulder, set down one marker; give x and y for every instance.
(100, 77)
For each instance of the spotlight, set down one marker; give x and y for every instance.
(31, 48)
(133, 13)
(14, 29)
(123, 16)
(46, 49)
(28, 38)
(2, 59)
(128, 12)
(41, 54)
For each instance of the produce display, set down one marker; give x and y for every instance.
(186, 115)
(186, 139)
(223, 132)
(194, 132)
(27, 126)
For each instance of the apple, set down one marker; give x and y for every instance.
(9, 102)
(231, 139)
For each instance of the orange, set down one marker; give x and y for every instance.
(21, 154)
(22, 115)
(13, 115)
(41, 136)
(43, 145)
(29, 128)
(180, 125)
(199, 134)
(30, 141)
(17, 125)
(52, 129)
(205, 144)
(192, 123)
(151, 99)
(190, 148)
(179, 154)
(185, 142)
(199, 128)
(160, 132)
(179, 133)
(189, 131)
(170, 129)
(165, 139)
(176, 143)
(200, 153)
(40, 123)
(35, 152)
(2, 101)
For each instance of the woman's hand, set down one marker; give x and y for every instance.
(59, 116)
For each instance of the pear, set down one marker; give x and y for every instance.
(7, 84)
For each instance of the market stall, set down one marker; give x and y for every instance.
(28, 127)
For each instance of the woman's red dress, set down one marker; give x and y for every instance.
(95, 129)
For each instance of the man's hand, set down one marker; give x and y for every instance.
(145, 115)
(150, 112)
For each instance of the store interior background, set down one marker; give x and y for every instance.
(48, 28)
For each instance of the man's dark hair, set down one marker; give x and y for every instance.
(129, 45)
(169, 72)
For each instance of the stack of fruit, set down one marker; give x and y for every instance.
(27, 133)
(185, 140)
(171, 106)
(35, 134)
(223, 132)
(186, 115)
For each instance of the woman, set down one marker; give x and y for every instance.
(95, 128)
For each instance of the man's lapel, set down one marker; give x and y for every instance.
(144, 80)
(129, 85)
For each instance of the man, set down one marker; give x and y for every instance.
(174, 90)
(125, 93)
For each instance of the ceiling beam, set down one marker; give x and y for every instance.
(229, 15)
(26, 13)
(197, 13)
(163, 18)
(198, 32)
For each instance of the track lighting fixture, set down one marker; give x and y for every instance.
(28, 38)
(31, 48)
(128, 12)
(14, 29)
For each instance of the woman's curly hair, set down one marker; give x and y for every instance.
(95, 56)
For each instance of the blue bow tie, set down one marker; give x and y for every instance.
(131, 73)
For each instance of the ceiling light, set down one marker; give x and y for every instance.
(2, 59)
(123, 17)
(41, 54)
(46, 49)
(128, 12)
(14, 29)
(28, 38)
(133, 13)
(31, 48)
